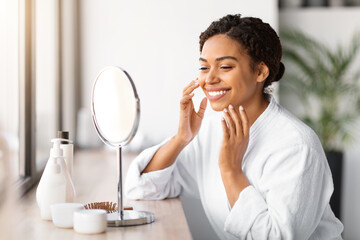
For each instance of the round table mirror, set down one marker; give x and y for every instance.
(115, 108)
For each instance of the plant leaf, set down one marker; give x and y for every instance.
(323, 75)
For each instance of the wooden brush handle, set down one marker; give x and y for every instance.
(108, 206)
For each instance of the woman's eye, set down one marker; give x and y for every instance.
(226, 67)
(203, 68)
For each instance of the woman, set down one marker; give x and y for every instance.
(259, 172)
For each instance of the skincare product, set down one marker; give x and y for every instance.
(68, 151)
(63, 213)
(90, 221)
(55, 185)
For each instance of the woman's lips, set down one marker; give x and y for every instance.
(216, 94)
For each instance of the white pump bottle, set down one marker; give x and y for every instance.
(55, 185)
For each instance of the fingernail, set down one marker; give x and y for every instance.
(241, 108)
(225, 110)
(231, 107)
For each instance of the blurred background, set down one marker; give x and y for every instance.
(52, 50)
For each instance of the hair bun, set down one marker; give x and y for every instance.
(280, 72)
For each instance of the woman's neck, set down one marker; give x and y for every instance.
(255, 108)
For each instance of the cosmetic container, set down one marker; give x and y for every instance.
(91, 221)
(63, 214)
(55, 185)
(68, 151)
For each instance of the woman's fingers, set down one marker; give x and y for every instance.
(225, 129)
(190, 87)
(185, 100)
(237, 121)
(230, 122)
(245, 121)
(202, 108)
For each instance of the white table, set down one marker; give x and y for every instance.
(95, 179)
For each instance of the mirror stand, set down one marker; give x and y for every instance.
(122, 217)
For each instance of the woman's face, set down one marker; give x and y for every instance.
(225, 74)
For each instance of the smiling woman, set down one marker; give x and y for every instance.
(223, 63)
(260, 172)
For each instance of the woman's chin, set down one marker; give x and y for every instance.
(217, 107)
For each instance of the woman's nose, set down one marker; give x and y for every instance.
(211, 77)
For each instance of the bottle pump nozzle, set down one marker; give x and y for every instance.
(56, 151)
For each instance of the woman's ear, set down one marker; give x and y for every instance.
(263, 72)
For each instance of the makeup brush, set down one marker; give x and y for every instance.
(110, 207)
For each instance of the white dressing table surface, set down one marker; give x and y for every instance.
(95, 180)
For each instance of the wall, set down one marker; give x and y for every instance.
(157, 43)
(333, 26)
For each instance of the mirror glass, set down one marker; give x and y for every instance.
(115, 106)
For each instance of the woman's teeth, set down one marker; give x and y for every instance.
(216, 93)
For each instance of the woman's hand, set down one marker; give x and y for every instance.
(235, 125)
(190, 121)
(233, 148)
(189, 126)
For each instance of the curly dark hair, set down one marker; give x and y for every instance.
(258, 38)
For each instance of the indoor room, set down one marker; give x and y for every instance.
(168, 120)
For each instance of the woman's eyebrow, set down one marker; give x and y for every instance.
(219, 58)
(226, 57)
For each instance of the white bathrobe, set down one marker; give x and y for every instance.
(290, 179)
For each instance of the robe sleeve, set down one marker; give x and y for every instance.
(296, 188)
(166, 183)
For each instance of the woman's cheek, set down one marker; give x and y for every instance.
(202, 85)
(201, 80)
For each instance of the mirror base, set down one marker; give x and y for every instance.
(130, 218)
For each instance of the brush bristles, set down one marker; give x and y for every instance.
(110, 207)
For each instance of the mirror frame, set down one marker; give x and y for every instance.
(137, 117)
(122, 217)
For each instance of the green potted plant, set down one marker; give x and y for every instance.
(328, 86)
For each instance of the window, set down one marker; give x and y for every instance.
(9, 87)
(29, 87)
(47, 91)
